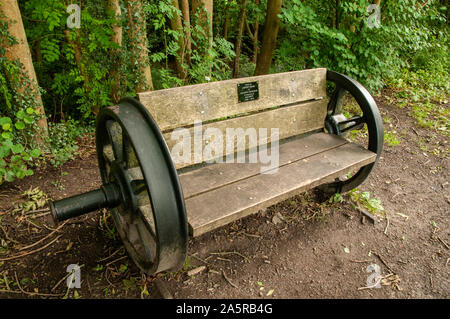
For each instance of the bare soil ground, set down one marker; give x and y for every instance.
(301, 248)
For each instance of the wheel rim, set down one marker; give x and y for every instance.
(151, 219)
(337, 123)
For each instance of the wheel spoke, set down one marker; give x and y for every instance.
(108, 153)
(335, 105)
(147, 240)
(126, 150)
(354, 123)
(147, 217)
(115, 136)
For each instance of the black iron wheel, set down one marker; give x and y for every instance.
(338, 123)
(151, 218)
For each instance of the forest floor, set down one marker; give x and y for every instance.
(300, 248)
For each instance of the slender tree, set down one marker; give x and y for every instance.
(254, 36)
(21, 52)
(114, 11)
(239, 39)
(204, 9)
(271, 27)
(137, 33)
(187, 29)
(177, 25)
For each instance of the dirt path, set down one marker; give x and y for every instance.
(300, 248)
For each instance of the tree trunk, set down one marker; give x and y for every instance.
(177, 25)
(227, 22)
(254, 37)
(271, 27)
(204, 8)
(21, 52)
(187, 30)
(77, 50)
(137, 33)
(239, 40)
(113, 7)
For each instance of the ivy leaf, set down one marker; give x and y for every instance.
(18, 148)
(20, 114)
(20, 174)
(5, 120)
(28, 119)
(6, 126)
(35, 152)
(20, 125)
(30, 110)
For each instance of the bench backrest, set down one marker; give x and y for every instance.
(293, 102)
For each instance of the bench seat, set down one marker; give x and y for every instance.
(218, 194)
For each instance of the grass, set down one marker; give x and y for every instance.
(426, 96)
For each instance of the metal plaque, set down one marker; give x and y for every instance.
(248, 91)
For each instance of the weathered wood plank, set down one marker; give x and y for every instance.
(214, 176)
(223, 205)
(177, 107)
(290, 121)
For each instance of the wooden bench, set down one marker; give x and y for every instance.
(155, 191)
(294, 102)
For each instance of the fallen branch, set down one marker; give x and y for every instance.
(31, 252)
(34, 293)
(228, 280)
(231, 252)
(64, 278)
(115, 260)
(41, 240)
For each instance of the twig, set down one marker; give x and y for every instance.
(232, 252)
(367, 214)
(387, 225)
(381, 259)
(34, 293)
(228, 280)
(103, 259)
(361, 261)
(443, 242)
(38, 211)
(41, 240)
(431, 281)
(203, 261)
(116, 260)
(7, 236)
(64, 278)
(31, 252)
(41, 215)
(250, 235)
(6, 282)
(32, 224)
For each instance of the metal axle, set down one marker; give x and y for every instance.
(107, 196)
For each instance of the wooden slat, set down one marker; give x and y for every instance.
(290, 121)
(214, 176)
(177, 107)
(223, 205)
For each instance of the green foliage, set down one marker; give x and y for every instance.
(62, 141)
(408, 53)
(372, 204)
(18, 115)
(336, 35)
(208, 59)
